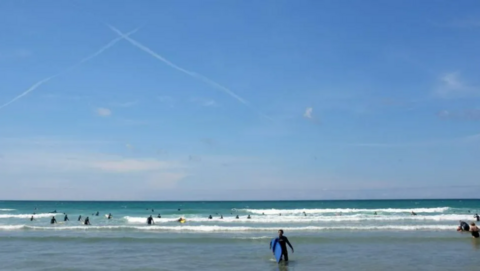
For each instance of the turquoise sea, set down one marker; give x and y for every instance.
(326, 235)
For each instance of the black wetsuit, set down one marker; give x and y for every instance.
(79, 218)
(87, 221)
(283, 241)
(464, 226)
(475, 233)
(53, 221)
(150, 220)
(477, 217)
(66, 218)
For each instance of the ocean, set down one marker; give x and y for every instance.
(326, 235)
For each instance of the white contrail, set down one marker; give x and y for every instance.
(192, 74)
(41, 82)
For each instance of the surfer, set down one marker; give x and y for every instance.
(463, 226)
(179, 209)
(221, 216)
(31, 218)
(283, 241)
(413, 213)
(249, 217)
(210, 217)
(159, 216)
(79, 218)
(237, 217)
(474, 230)
(182, 220)
(477, 217)
(54, 212)
(87, 221)
(53, 220)
(97, 213)
(375, 213)
(150, 220)
(66, 218)
(109, 216)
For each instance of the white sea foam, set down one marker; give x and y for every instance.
(28, 215)
(6, 210)
(339, 210)
(205, 228)
(266, 219)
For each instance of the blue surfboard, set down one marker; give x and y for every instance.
(276, 249)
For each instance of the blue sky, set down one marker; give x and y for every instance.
(239, 99)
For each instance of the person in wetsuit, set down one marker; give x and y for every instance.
(477, 217)
(474, 230)
(109, 216)
(87, 221)
(237, 217)
(79, 218)
(221, 216)
(249, 217)
(53, 220)
(283, 241)
(150, 220)
(31, 218)
(66, 218)
(159, 216)
(463, 226)
(97, 213)
(413, 213)
(210, 217)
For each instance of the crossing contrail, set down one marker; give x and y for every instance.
(45, 80)
(190, 73)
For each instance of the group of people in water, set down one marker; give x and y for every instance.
(86, 221)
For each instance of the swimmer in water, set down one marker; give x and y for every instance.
(413, 213)
(87, 221)
(97, 213)
(159, 216)
(150, 220)
(249, 217)
(221, 216)
(237, 217)
(477, 217)
(109, 216)
(31, 218)
(210, 217)
(463, 226)
(53, 220)
(79, 218)
(474, 230)
(66, 218)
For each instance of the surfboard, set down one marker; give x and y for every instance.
(276, 249)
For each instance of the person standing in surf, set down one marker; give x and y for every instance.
(474, 230)
(283, 241)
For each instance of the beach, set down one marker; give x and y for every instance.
(326, 235)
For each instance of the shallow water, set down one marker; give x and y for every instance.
(335, 235)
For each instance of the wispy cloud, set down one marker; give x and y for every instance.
(190, 73)
(125, 104)
(167, 100)
(45, 80)
(103, 112)
(204, 102)
(16, 54)
(308, 113)
(462, 23)
(471, 114)
(453, 86)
